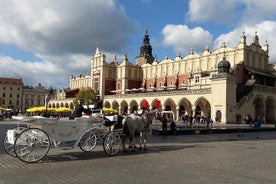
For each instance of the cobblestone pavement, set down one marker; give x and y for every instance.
(209, 159)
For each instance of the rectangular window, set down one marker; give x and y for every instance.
(197, 79)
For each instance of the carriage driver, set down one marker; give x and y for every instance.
(80, 109)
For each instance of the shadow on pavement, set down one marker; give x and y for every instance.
(74, 155)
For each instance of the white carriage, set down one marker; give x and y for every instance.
(32, 143)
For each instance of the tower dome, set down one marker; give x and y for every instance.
(224, 66)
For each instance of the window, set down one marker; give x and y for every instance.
(197, 79)
(96, 84)
(4, 95)
(118, 86)
(10, 95)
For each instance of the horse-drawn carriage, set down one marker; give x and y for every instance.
(32, 142)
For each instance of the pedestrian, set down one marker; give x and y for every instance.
(190, 118)
(173, 128)
(164, 124)
(80, 109)
(208, 121)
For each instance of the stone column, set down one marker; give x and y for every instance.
(177, 113)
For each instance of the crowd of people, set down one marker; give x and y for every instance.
(191, 120)
(256, 122)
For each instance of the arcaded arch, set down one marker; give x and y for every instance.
(156, 104)
(270, 109)
(185, 107)
(202, 107)
(124, 107)
(133, 106)
(144, 104)
(66, 105)
(169, 105)
(259, 106)
(71, 106)
(106, 104)
(115, 105)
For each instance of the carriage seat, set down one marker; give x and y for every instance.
(109, 123)
(110, 120)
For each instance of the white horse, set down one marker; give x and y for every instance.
(137, 124)
(133, 124)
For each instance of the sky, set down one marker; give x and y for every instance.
(47, 41)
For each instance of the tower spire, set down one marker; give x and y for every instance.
(145, 49)
(145, 55)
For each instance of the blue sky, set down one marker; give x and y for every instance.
(46, 41)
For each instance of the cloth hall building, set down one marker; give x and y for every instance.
(226, 84)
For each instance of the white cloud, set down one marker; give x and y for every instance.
(257, 11)
(183, 39)
(231, 11)
(265, 31)
(211, 10)
(63, 34)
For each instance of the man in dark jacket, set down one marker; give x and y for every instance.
(79, 109)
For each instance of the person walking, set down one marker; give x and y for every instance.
(164, 124)
(173, 128)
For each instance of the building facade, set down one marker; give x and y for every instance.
(226, 84)
(17, 97)
(34, 96)
(64, 97)
(11, 93)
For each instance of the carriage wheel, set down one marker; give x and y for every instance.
(8, 147)
(88, 141)
(112, 143)
(32, 145)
